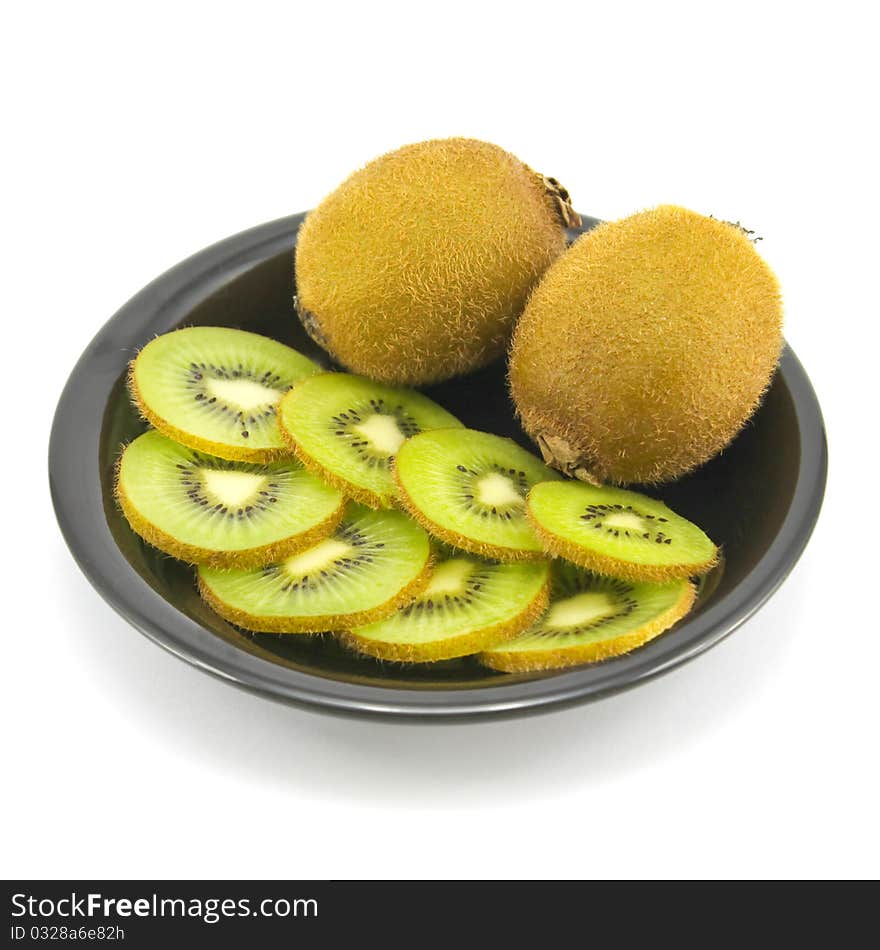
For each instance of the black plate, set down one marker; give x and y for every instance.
(760, 499)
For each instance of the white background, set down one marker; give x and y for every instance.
(135, 134)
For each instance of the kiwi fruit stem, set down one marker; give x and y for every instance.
(557, 453)
(561, 199)
(310, 324)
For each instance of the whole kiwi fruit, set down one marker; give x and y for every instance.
(646, 346)
(416, 267)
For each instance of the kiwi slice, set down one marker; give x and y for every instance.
(468, 605)
(348, 429)
(592, 618)
(469, 488)
(618, 532)
(373, 563)
(217, 390)
(203, 509)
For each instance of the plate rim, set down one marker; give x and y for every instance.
(79, 507)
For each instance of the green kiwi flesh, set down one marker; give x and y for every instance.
(349, 428)
(618, 532)
(469, 489)
(372, 564)
(592, 618)
(200, 508)
(217, 389)
(469, 604)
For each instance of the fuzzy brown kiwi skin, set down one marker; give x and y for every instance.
(612, 566)
(349, 489)
(323, 624)
(516, 662)
(713, 300)
(497, 551)
(489, 295)
(559, 202)
(247, 558)
(231, 453)
(454, 647)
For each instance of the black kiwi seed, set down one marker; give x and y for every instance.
(197, 380)
(620, 591)
(594, 515)
(452, 601)
(343, 423)
(193, 486)
(341, 566)
(466, 486)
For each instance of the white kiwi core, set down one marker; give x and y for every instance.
(625, 520)
(449, 577)
(243, 393)
(232, 488)
(320, 556)
(496, 489)
(382, 431)
(581, 609)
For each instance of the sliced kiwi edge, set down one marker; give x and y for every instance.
(539, 660)
(460, 541)
(355, 492)
(454, 647)
(557, 546)
(245, 558)
(231, 453)
(328, 623)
